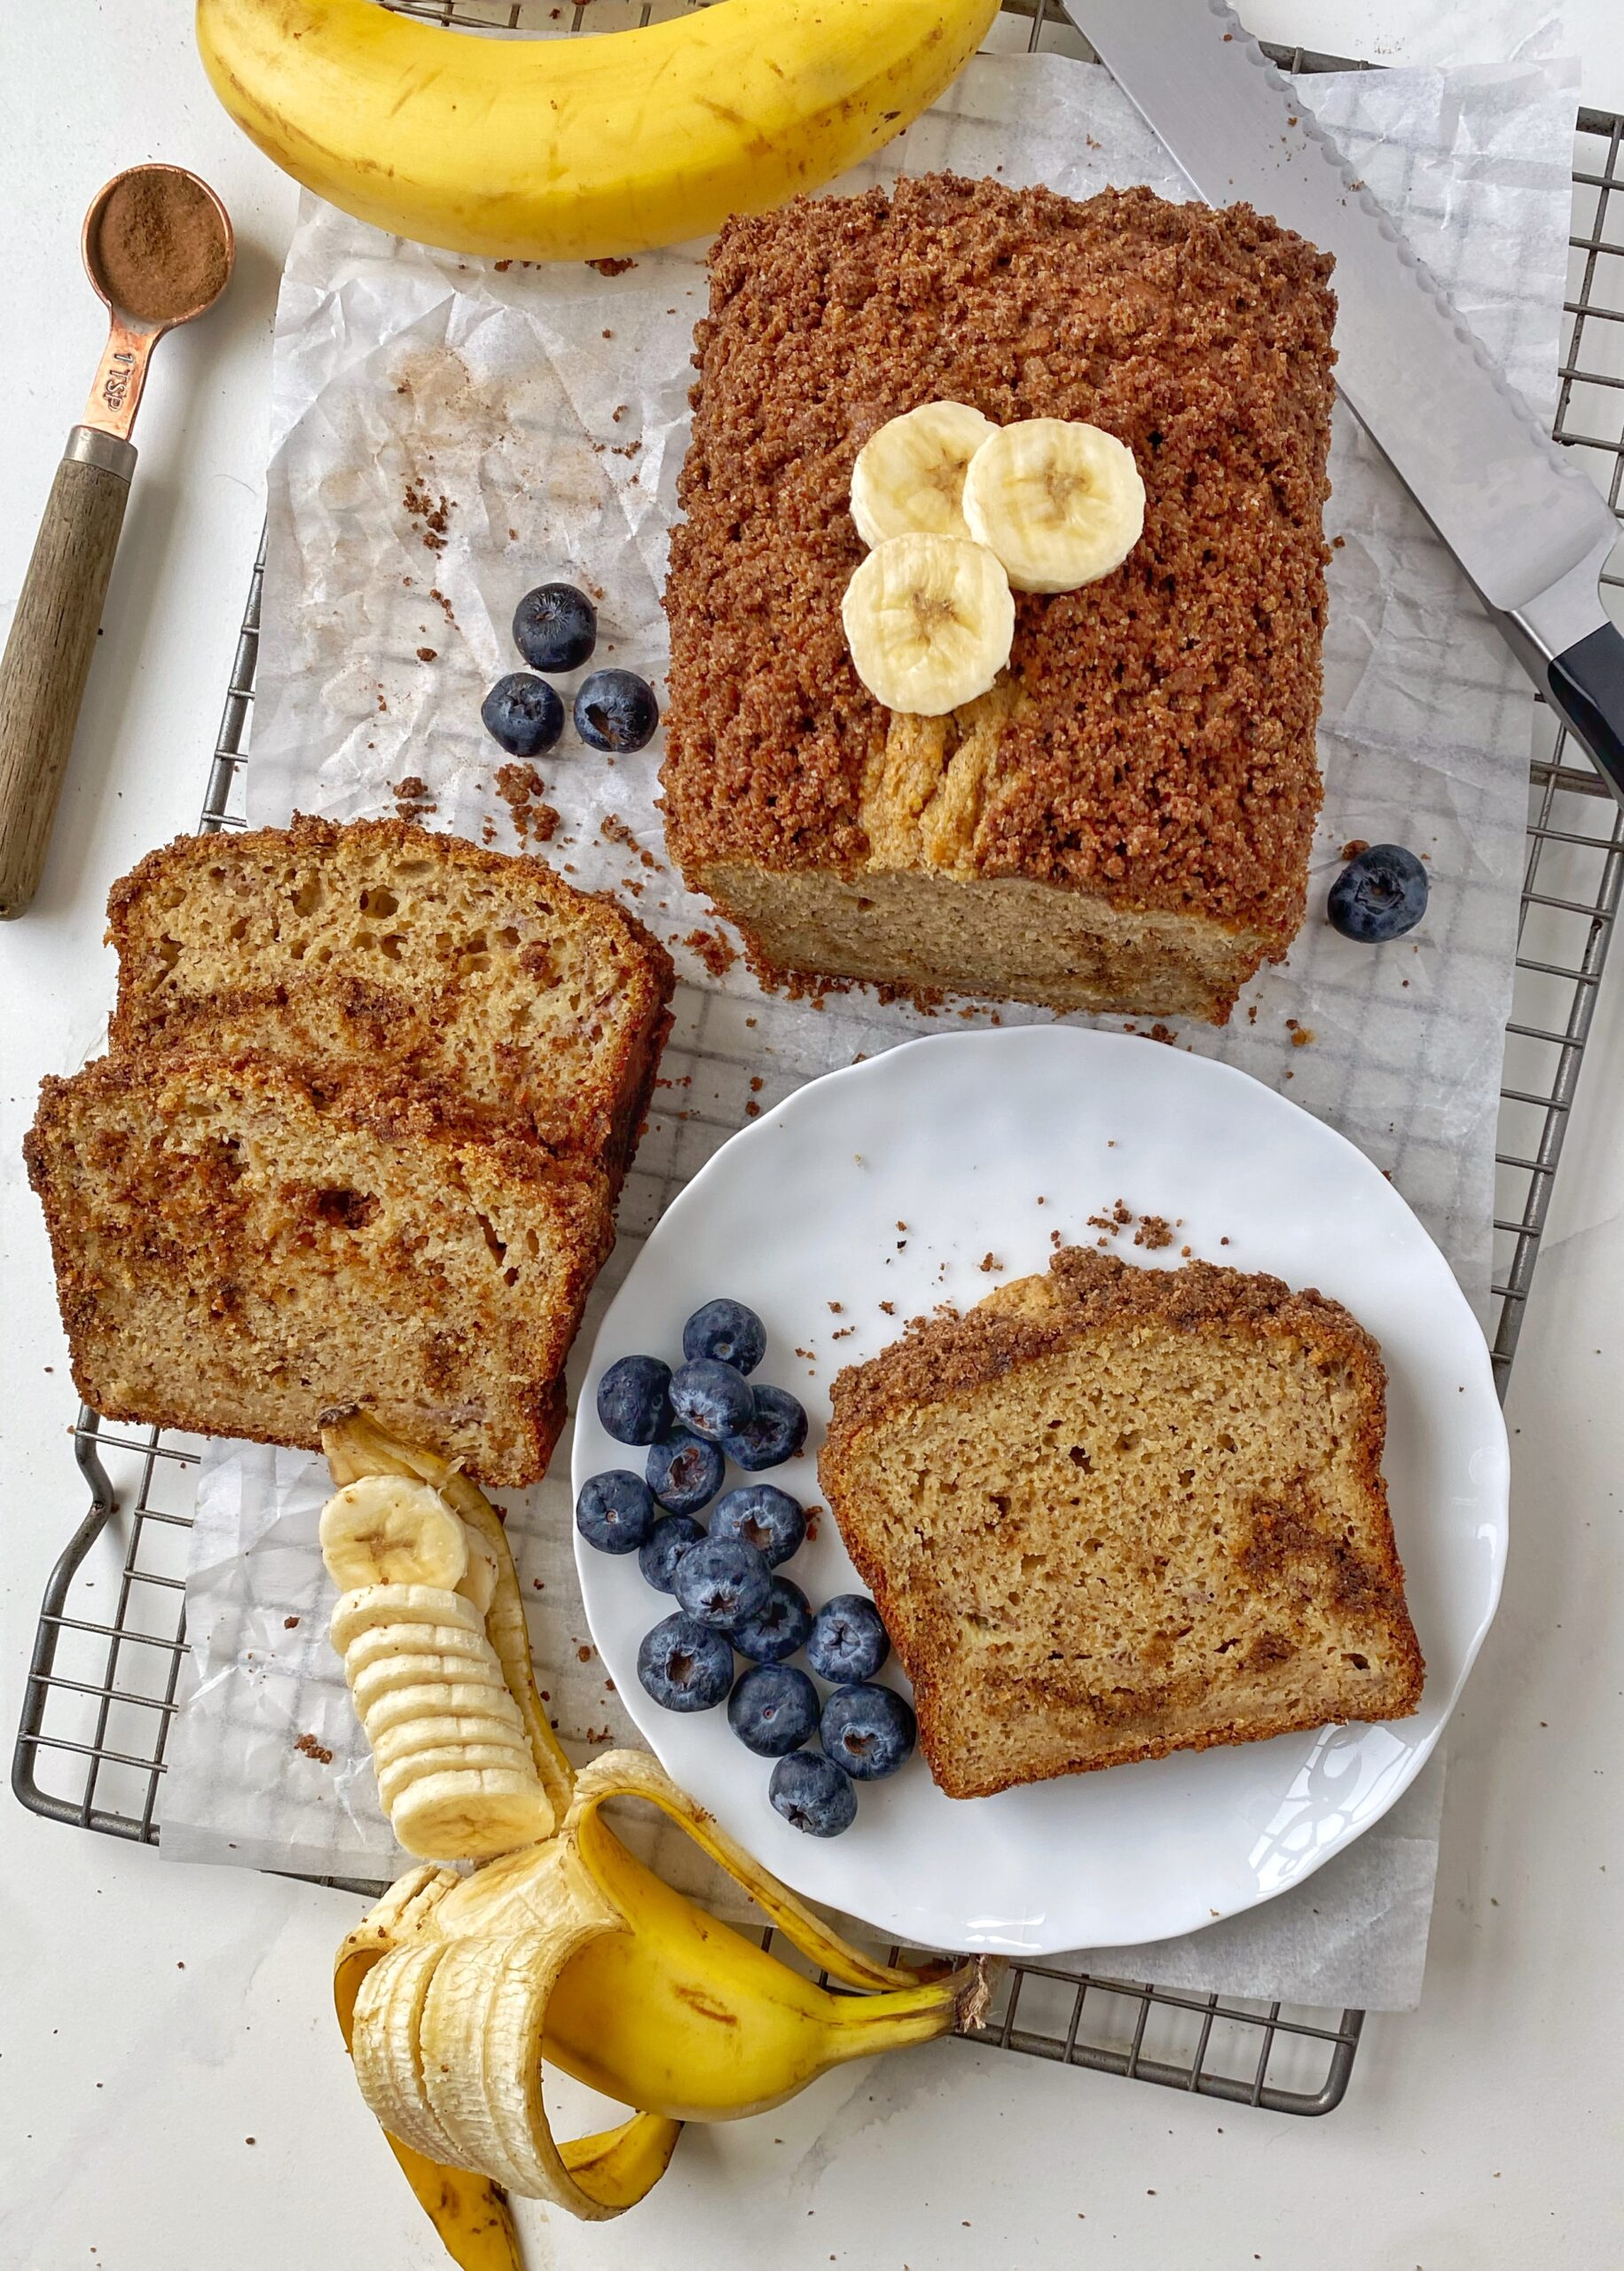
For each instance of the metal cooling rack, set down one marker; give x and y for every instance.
(111, 1641)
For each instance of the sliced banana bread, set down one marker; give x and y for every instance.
(392, 948)
(239, 1248)
(1117, 1511)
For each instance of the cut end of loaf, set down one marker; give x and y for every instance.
(1115, 1513)
(997, 938)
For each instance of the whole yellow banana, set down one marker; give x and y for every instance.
(579, 148)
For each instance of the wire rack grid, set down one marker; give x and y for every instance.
(103, 1685)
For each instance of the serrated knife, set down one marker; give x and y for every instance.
(1528, 530)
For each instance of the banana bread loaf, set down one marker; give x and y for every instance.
(238, 1247)
(1113, 1513)
(1123, 823)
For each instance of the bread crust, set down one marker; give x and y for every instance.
(1085, 1295)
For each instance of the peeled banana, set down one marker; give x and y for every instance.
(574, 149)
(454, 1990)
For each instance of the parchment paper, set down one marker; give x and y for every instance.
(448, 432)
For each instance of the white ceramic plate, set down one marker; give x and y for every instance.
(959, 1139)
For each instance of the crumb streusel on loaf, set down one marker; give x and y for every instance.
(1124, 821)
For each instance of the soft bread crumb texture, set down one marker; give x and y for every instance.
(239, 1248)
(387, 947)
(1152, 748)
(1114, 1511)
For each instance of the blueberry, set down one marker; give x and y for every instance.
(664, 1546)
(523, 714)
(728, 1332)
(867, 1731)
(1379, 896)
(722, 1582)
(711, 1398)
(615, 1512)
(633, 1402)
(774, 1431)
(777, 1630)
(764, 1516)
(685, 1665)
(683, 1471)
(812, 1794)
(773, 1710)
(847, 1641)
(616, 710)
(555, 627)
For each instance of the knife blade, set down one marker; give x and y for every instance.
(1527, 528)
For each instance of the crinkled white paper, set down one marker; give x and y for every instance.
(448, 432)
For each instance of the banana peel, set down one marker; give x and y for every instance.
(454, 1990)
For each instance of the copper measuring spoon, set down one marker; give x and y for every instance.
(53, 631)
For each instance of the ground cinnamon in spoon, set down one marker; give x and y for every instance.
(158, 248)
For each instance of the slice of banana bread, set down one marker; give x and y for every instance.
(1116, 1511)
(238, 1248)
(394, 949)
(1123, 821)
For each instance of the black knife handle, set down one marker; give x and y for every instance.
(1586, 683)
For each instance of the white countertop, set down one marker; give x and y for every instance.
(172, 2093)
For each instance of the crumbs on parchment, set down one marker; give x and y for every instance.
(309, 1748)
(520, 787)
(615, 831)
(716, 952)
(411, 798)
(435, 518)
(1154, 1232)
(611, 265)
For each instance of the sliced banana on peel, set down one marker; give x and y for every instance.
(471, 1812)
(909, 476)
(384, 1530)
(1059, 502)
(929, 621)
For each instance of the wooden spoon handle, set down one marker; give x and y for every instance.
(48, 654)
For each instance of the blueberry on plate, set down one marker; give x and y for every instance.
(632, 1399)
(711, 1398)
(777, 1627)
(847, 1641)
(664, 1546)
(867, 1731)
(616, 710)
(555, 627)
(728, 1332)
(812, 1794)
(773, 1710)
(1379, 896)
(765, 1517)
(615, 1512)
(774, 1431)
(523, 714)
(722, 1582)
(685, 1471)
(685, 1665)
